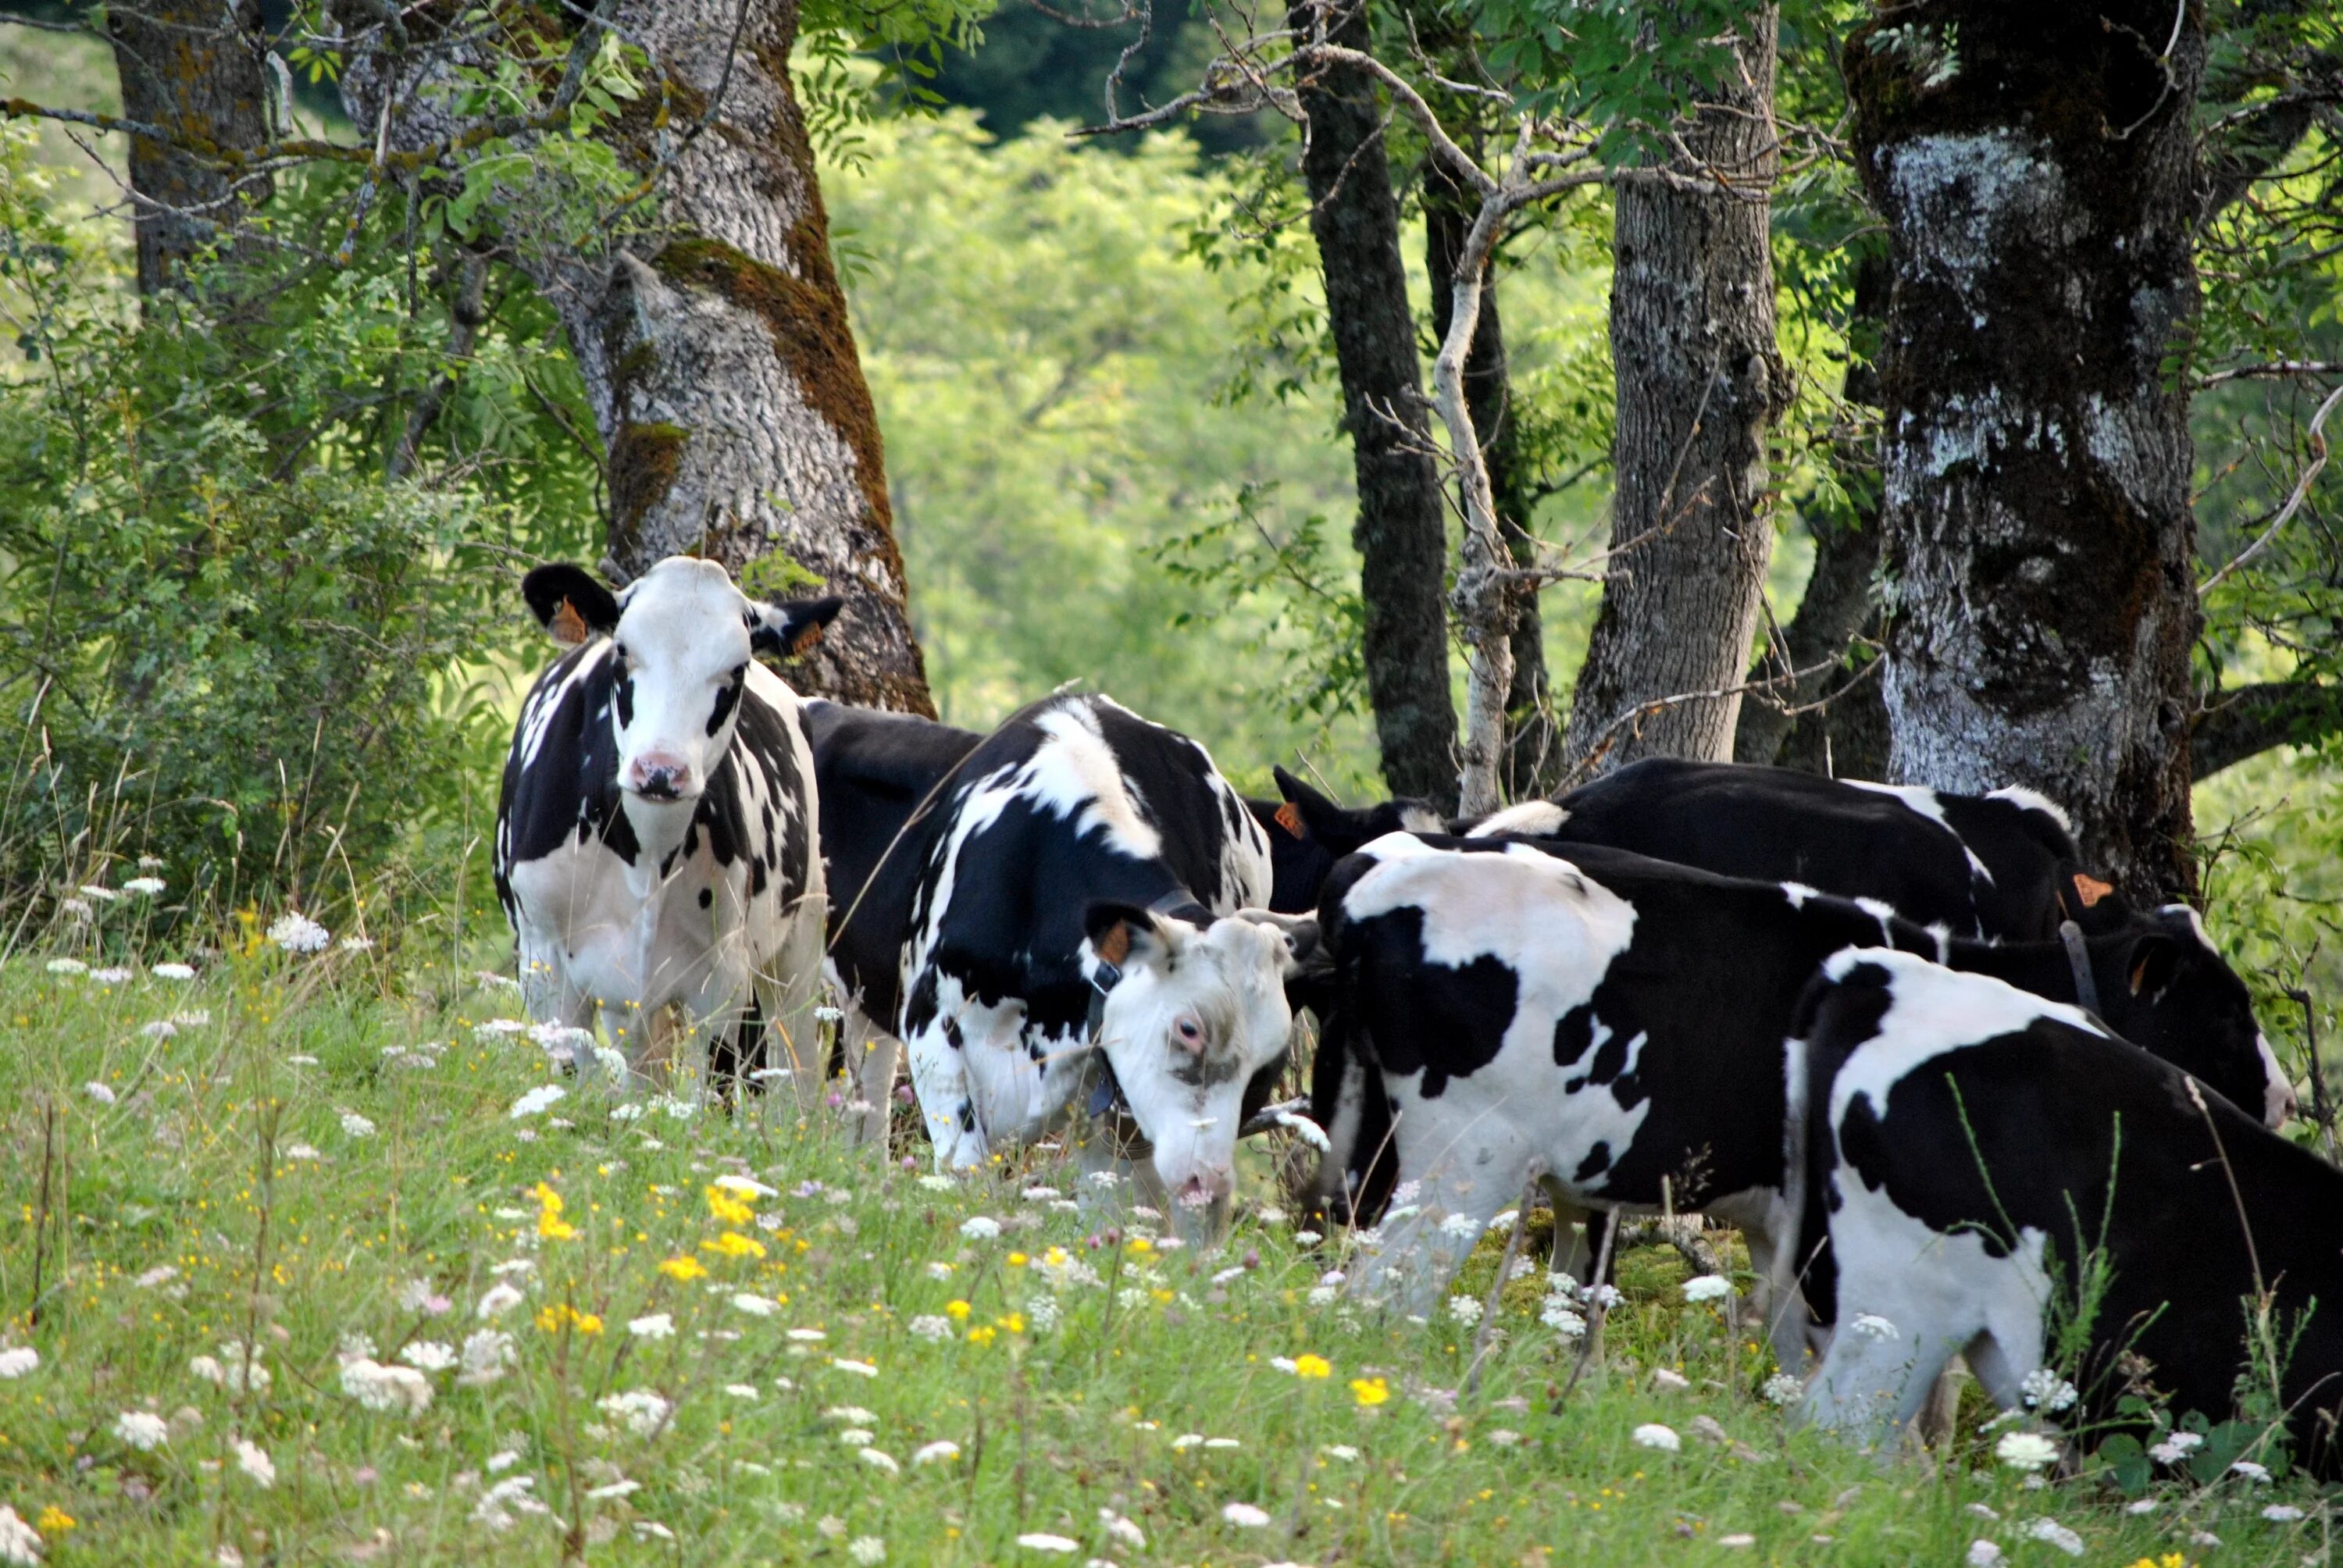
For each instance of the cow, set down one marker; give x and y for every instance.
(655, 829)
(1616, 1023)
(1080, 878)
(2001, 867)
(1981, 1160)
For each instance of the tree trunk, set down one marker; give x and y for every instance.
(199, 69)
(1531, 741)
(1699, 380)
(716, 351)
(2035, 169)
(1401, 532)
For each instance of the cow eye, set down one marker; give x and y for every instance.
(618, 651)
(1190, 1032)
(740, 673)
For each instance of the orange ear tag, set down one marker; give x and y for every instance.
(2090, 890)
(805, 639)
(1115, 945)
(1288, 817)
(567, 627)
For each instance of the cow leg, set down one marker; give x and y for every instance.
(1876, 1376)
(939, 1083)
(1472, 1177)
(882, 1054)
(735, 1054)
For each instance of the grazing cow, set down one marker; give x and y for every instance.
(1618, 1023)
(1080, 877)
(655, 833)
(1972, 1149)
(2001, 865)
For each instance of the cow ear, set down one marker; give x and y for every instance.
(786, 630)
(570, 603)
(1124, 937)
(1309, 815)
(2155, 959)
(1304, 954)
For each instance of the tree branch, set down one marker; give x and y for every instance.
(2251, 720)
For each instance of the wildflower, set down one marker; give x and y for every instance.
(1244, 1515)
(982, 1335)
(657, 1326)
(2176, 1447)
(103, 895)
(355, 944)
(930, 1328)
(956, 1310)
(297, 933)
(859, 1368)
(2056, 1535)
(1463, 1226)
(78, 907)
(18, 1360)
(1983, 1554)
(732, 1244)
(142, 1430)
(1652, 1434)
(254, 1461)
(238, 1372)
(741, 1390)
(144, 886)
(879, 1459)
(1707, 1288)
(428, 1355)
(173, 972)
(867, 1550)
(755, 1306)
(67, 967)
(857, 1436)
(1871, 1325)
(807, 1336)
(2047, 1392)
(1343, 1452)
(1736, 1540)
(2026, 1451)
(979, 1228)
(2281, 1513)
(115, 976)
(615, 1489)
(501, 1299)
(20, 1544)
(1042, 1541)
(1668, 1381)
(938, 1183)
(538, 1099)
(935, 1452)
(641, 1410)
(1558, 1315)
(1465, 1310)
(728, 1209)
(1370, 1392)
(2257, 1474)
(486, 1352)
(386, 1388)
(685, 1267)
(549, 1223)
(1782, 1389)
(160, 1274)
(1313, 1366)
(357, 1126)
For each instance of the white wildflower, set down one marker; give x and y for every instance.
(99, 1093)
(357, 1126)
(1188, 1440)
(2056, 1534)
(1558, 1316)
(160, 1274)
(145, 887)
(1707, 1288)
(1042, 1541)
(78, 908)
(1244, 1515)
(15, 1360)
(1119, 1528)
(1463, 1226)
(355, 944)
(937, 1453)
(2047, 1392)
(301, 1151)
(115, 975)
(1320, 1295)
(297, 933)
(2281, 1513)
(1983, 1555)
(859, 1368)
(936, 1182)
(641, 1410)
(142, 1430)
(161, 1028)
(67, 967)
(1307, 1238)
(486, 1353)
(657, 1326)
(1871, 1325)
(1652, 1434)
(807, 1336)
(619, 1488)
(1782, 1389)
(537, 1100)
(386, 1388)
(1343, 1452)
(1465, 1310)
(428, 1355)
(855, 1436)
(20, 1544)
(501, 1299)
(2026, 1451)
(755, 1306)
(879, 1459)
(980, 1228)
(742, 1390)
(867, 1550)
(173, 972)
(930, 1327)
(2176, 1447)
(1668, 1381)
(103, 895)
(254, 1461)
(2257, 1474)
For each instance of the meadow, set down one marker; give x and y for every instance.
(312, 1253)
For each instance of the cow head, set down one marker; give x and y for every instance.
(1191, 1013)
(2164, 987)
(681, 638)
(1308, 832)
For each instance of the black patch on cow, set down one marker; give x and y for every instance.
(1597, 1160)
(726, 697)
(968, 1116)
(571, 786)
(622, 694)
(707, 898)
(1441, 1021)
(1573, 1032)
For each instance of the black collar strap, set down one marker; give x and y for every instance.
(2078, 959)
(1106, 1093)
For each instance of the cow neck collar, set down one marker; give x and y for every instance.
(2078, 959)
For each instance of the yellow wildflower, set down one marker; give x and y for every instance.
(981, 1336)
(55, 1521)
(956, 1311)
(684, 1269)
(733, 1245)
(1140, 1246)
(728, 1209)
(1014, 1322)
(1313, 1366)
(1018, 1259)
(1369, 1391)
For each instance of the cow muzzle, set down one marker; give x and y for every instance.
(660, 776)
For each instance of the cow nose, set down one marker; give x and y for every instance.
(658, 775)
(1203, 1189)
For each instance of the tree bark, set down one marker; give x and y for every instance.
(198, 69)
(1401, 532)
(2037, 172)
(716, 351)
(1699, 381)
(1532, 742)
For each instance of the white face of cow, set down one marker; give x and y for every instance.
(1196, 1013)
(682, 638)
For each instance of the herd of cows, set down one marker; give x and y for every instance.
(1949, 1085)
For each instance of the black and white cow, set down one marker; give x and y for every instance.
(1969, 1145)
(1617, 1022)
(2002, 866)
(655, 832)
(1080, 877)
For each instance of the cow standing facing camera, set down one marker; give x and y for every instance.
(657, 832)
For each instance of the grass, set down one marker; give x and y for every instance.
(220, 1198)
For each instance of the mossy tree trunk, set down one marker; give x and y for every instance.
(716, 350)
(198, 69)
(1700, 380)
(1401, 531)
(2037, 171)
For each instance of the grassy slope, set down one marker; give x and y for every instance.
(1053, 1424)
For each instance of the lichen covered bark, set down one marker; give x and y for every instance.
(2035, 169)
(1699, 381)
(200, 70)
